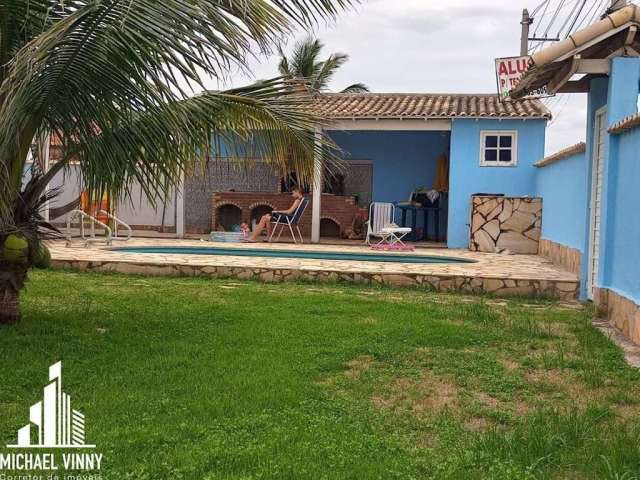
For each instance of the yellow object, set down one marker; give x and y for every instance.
(93, 208)
(441, 181)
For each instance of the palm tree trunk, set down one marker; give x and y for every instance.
(12, 279)
(9, 305)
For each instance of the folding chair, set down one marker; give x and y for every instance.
(381, 225)
(281, 220)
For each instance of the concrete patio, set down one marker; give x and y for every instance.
(501, 275)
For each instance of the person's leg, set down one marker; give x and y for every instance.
(269, 226)
(264, 222)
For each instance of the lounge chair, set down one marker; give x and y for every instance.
(281, 220)
(381, 225)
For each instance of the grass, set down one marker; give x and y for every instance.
(202, 379)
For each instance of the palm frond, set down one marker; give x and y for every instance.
(266, 120)
(99, 66)
(356, 88)
(327, 69)
(304, 58)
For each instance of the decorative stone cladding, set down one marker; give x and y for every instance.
(622, 313)
(342, 210)
(500, 287)
(505, 223)
(567, 257)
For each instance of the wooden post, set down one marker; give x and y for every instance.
(317, 189)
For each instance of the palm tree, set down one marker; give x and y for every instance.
(304, 67)
(115, 81)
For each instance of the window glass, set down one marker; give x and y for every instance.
(491, 141)
(505, 141)
(505, 155)
(498, 149)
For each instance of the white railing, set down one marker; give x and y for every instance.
(93, 222)
(117, 223)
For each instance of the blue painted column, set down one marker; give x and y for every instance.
(624, 86)
(622, 101)
(598, 91)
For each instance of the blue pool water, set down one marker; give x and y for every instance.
(304, 254)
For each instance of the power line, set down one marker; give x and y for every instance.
(592, 12)
(544, 12)
(572, 15)
(553, 19)
(579, 6)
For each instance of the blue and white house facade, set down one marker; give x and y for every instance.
(591, 192)
(391, 145)
(490, 146)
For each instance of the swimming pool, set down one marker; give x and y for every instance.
(302, 254)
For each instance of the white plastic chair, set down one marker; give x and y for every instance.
(381, 225)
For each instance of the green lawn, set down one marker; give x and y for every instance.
(202, 379)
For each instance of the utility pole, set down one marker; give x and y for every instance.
(524, 38)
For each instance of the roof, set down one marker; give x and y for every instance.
(562, 154)
(625, 124)
(611, 36)
(425, 106)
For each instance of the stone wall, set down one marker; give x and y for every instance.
(500, 287)
(509, 223)
(566, 257)
(621, 313)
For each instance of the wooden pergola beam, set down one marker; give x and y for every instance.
(596, 66)
(564, 75)
(577, 86)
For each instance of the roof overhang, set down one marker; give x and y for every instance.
(588, 52)
(391, 124)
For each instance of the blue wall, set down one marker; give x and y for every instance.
(622, 260)
(620, 254)
(563, 188)
(468, 177)
(597, 99)
(401, 160)
(620, 241)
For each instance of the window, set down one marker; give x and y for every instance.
(498, 149)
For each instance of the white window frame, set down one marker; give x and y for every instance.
(500, 133)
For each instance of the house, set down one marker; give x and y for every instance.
(391, 144)
(591, 191)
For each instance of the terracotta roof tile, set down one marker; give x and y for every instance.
(562, 154)
(625, 124)
(419, 106)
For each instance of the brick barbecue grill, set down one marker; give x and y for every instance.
(338, 213)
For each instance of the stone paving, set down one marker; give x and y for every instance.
(502, 275)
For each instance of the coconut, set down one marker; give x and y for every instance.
(15, 249)
(42, 258)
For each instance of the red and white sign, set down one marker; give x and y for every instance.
(509, 71)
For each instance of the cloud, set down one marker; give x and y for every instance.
(432, 46)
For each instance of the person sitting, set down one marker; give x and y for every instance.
(265, 221)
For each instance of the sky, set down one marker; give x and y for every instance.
(431, 46)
